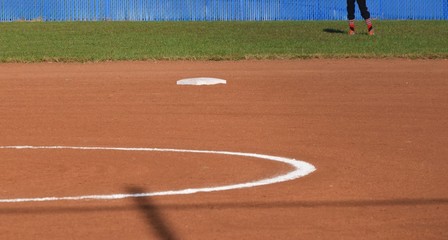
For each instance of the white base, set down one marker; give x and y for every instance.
(201, 81)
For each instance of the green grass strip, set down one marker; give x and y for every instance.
(106, 41)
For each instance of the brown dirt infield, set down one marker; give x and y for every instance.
(376, 130)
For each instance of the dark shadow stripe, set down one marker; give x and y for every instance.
(153, 212)
(152, 215)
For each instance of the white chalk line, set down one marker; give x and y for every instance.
(300, 169)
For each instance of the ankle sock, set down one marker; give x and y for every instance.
(369, 24)
(351, 24)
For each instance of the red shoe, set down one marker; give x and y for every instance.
(351, 32)
(371, 32)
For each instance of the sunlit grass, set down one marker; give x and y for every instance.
(103, 41)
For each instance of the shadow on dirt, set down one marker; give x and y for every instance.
(153, 216)
(158, 226)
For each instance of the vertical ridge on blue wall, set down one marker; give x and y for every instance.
(445, 10)
(213, 10)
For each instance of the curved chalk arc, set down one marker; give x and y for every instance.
(300, 169)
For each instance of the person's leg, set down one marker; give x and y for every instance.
(350, 9)
(351, 16)
(363, 8)
(366, 15)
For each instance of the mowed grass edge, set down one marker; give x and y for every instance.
(111, 41)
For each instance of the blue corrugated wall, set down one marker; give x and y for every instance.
(212, 10)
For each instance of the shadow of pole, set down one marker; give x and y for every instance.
(157, 224)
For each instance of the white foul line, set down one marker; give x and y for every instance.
(300, 169)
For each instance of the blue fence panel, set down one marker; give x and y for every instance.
(213, 10)
(410, 9)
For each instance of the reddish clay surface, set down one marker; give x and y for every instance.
(377, 131)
